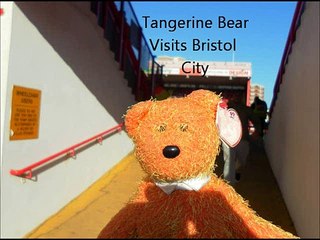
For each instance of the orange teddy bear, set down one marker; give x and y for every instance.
(177, 141)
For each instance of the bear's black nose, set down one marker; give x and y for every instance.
(171, 151)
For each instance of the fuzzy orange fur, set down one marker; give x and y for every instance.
(216, 210)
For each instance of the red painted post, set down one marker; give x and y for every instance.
(248, 91)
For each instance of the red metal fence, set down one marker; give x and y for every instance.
(124, 33)
(290, 40)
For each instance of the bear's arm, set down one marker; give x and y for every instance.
(257, 226)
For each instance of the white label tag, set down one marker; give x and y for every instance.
(229, 126)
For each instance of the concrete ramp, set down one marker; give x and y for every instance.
(85, 216)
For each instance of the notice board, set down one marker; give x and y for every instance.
(25, 113)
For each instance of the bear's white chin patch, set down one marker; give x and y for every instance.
(193, 184)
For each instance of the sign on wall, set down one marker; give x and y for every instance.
(25, 113)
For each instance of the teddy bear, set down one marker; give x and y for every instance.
(176, 143)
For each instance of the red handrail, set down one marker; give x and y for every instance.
(290, 39)
(27, 171)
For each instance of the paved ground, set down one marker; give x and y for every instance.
(259, 186)
(85, 216)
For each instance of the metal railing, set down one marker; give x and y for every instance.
(124, 33)
(290, 40)
(71, 151)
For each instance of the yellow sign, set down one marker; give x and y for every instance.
(25, 113)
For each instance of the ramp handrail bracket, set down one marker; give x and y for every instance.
(70, 151)
(99, 139)
(29, 175)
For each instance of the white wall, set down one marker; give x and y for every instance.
(292, 141)
(58, 48)
(6, 19)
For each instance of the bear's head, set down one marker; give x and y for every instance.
(176, 138)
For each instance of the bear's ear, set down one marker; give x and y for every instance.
(135, 115)
(206, 98)
(227, 120)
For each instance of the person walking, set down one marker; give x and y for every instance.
(235, 158)
(260, 109)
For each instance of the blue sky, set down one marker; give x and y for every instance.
(262, 42)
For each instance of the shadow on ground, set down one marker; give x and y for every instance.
(259, 186)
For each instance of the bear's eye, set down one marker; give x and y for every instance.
(161, 127)
(183, 127)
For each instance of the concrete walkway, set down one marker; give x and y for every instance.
(86, 215)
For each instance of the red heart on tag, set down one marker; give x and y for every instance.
(229, 125)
